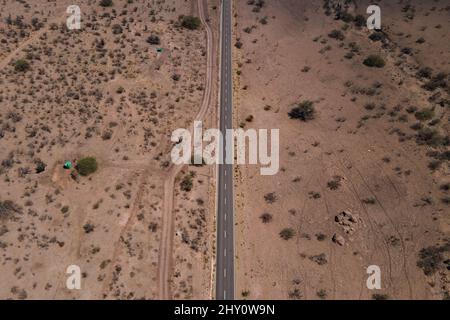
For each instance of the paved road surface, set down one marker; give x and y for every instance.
(225, 224)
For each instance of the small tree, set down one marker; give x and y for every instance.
(106, 3)
(187, 183)
(190, 22)
(40, 166)
(424, 114)
(266, 217)
(287, 233)
(360, 20)
(117, 29)
(87, 166)
(245, 293)
(88, 227)
(304, 111)
(21, 65)
(374, 61)
(336, 34)
(154, 39)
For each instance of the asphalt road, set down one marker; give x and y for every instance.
(225, 224)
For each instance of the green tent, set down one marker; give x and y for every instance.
(67, 165)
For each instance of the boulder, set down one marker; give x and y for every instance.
(338, 239)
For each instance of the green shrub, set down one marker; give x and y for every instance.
(424, 114)
(336, 34)
(8, 209)
(434, 164)
(431, 137)
(304, 111)
(347, 17)
(431, 258)
(117, 29)
(266, 217)
(425, 72)
(87, 166)
(322, 294)
(287, 233)
(377, 36)
(154, 39)
(374, 61)
(438, 81)
(88, 228)
(333, 185)
(21, 65)
(190, 22)
(360, 20)
(187, 183)
(106, 3)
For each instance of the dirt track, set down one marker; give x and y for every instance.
(165, 251)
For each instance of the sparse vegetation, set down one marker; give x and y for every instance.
(270, 197)
(425, 72)
(154, 39)
(374, 61)
(377, 36)
(40, 166)
(431, 137)
(431, 258)
(304, 111)
(438, 81)
(8, 209)
(334, 184)
(266, 217)
(322, 294)
(106, 3)
(337, 34)
(21, 65)
(360, 20)
(287, 233)
(190, 22)
(88, 228)
(424, 114)
(187, 183)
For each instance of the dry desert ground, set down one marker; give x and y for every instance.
(364, 150)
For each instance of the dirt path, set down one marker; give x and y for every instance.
(165, 251)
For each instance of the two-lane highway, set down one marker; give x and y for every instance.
(225, 221)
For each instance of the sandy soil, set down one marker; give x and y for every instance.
(360, 153)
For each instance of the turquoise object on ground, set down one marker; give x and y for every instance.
(67, 165)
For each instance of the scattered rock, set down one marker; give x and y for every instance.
(338, 239)
(347, 220)
(320, 259)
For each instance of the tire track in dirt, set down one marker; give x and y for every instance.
(394, 226)
(372, 225)
(332, 250)
(117, 246)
